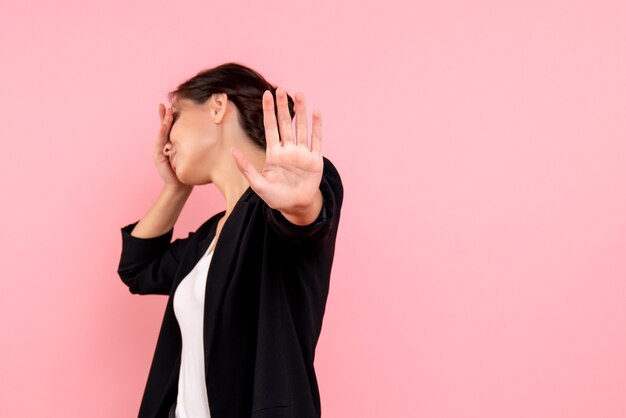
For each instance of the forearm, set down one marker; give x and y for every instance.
(163, 214)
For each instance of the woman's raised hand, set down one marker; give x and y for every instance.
(161, 160)
(290, 179)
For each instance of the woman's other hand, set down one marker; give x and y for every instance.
(291, 177)
(161, 160)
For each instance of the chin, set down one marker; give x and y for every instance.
(180, 175)
(185, 181)
(190, 179)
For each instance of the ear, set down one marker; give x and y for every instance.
(219, 101)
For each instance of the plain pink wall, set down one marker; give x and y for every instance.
(480, 268)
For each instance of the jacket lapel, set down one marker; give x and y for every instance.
(223, 260)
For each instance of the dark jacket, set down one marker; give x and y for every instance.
(265, 299)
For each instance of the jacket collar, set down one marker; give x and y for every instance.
(211, 223)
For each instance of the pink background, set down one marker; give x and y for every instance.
(480, 268)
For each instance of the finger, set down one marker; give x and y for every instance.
(301, 123)
(161, 112)
(167, 118)
(162, 136)
(316, 137)
(165, 127)
(284, 118)
(255, 179)
(269, 121)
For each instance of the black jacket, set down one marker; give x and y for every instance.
(265, 299)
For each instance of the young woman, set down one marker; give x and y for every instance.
(247, 290)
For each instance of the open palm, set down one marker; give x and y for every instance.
(292, 173)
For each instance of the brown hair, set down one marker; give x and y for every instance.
(243, 86)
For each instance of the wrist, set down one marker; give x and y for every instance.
(176, 192)
(305, 215)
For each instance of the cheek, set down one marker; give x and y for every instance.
(201, 150)
(186, 158)
(196, 150)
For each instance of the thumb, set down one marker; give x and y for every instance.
(247, 169)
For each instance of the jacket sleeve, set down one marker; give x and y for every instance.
(332, 193)
(147, 265)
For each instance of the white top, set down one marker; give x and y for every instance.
(192, 401)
